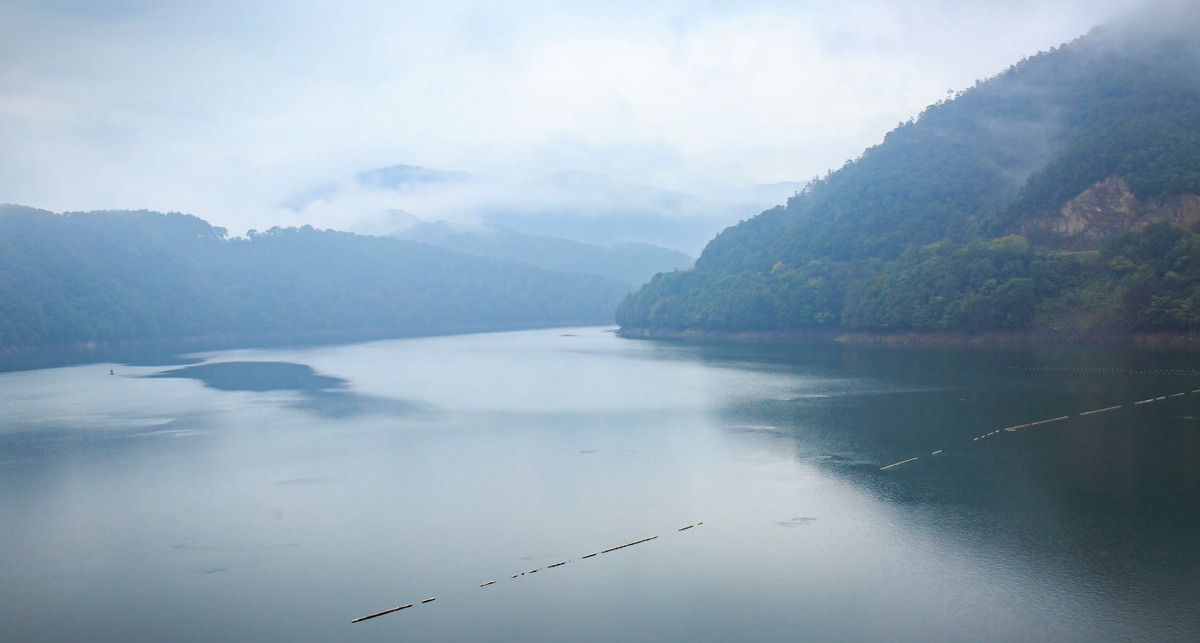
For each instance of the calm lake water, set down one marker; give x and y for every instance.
(275, 495)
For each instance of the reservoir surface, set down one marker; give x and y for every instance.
(568, 484)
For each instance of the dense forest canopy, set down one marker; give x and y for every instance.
(960, 219)
(102, 276)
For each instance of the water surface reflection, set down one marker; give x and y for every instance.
(278, 494)
(321, 394)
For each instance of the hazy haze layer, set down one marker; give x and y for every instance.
(226, 110)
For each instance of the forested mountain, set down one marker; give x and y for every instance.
(101, 276)
(962, 218)
(630, 262)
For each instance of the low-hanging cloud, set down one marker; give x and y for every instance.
(228, 109)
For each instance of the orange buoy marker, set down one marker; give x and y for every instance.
(1111, 408)
(685, 528)
(590, 555)
(896, 465)
(936, 452)
(394, 609)
(428, 600)
(556, 564)
(491, 582)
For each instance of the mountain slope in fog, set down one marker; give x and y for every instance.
(104, 276)
(631, 262)
(952, 221)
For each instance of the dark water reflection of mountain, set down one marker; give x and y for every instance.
(1105, 493)
(320, 394)
(281, 493)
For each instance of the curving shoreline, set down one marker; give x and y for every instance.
(1040, 337)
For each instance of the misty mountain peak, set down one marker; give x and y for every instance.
(405, 177)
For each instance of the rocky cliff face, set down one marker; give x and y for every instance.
(1106, 208)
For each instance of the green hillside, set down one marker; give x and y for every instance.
(961, 218)
(105, 276)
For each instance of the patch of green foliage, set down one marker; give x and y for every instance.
(946, 286)
(1155, 274)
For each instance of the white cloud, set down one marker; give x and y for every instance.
(225, 109)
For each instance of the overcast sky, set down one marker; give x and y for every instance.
(226, 109)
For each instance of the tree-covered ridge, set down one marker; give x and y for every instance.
(101, 276)
(1155, 277)
(943, 286)
(1145, 281)
(908, 236)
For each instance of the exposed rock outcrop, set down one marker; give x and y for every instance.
(1106, 208)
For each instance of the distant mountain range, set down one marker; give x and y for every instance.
(401, 177)
(396, 178)
(631, 263)
(586, 207)
(1058, 197)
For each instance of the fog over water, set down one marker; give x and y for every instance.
(278, 494)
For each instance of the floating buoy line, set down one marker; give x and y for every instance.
(896, 465)
(520, 574)
(371, 616)
(1027, 425)
(1009, 429)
